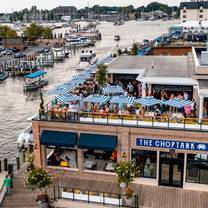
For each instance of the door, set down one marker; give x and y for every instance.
(171, 169)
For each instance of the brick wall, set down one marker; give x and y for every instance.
(173, 51)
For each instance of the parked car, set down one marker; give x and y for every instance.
(7, 52)
(19, 55)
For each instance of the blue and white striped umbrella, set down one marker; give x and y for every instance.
(76, 81)
(67, 98)
(62, 89)
(177, 103)
(123, 99)
(97, 99)
(112, 90)
(148, 101)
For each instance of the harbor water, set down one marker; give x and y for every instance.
(16, 106)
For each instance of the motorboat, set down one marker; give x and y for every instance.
(117, 37)
(25, 138)
(3, 75)
(87, 58)
(59, 54)
(35, 80)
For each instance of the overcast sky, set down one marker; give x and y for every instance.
(15, 5)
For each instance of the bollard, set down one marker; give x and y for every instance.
(18, 163)
(5, 164)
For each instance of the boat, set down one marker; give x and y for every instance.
(35, 81)
(117, 37)
(59, 54)
(87, 58)
(3, 75)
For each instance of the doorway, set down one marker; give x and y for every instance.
(171, 169)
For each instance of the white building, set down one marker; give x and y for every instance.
(195, 10)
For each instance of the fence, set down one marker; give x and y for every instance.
(90, 196)
(127, 120)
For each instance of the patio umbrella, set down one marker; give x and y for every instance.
(112, 90)
(123, 99)
(148, 101)
(67, 98)
(97, 99)
(177, 103)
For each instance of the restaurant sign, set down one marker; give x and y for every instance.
(171, 144)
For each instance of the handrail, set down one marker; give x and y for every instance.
(108, 118)
(57, 195)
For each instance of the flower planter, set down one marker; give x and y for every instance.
(123, 185)
(130, 201)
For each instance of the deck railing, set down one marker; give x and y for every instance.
(126, 120)
(90, 196)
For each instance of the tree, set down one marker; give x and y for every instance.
(134, 49)
(7, 32)
(101, 74)
(33, 32)
(47, 33)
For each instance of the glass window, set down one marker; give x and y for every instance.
(197, 168)
(62, 157)
(99, 160)
(147, 162)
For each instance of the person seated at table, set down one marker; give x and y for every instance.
(115, 109)
(157, 113)
(94, 108)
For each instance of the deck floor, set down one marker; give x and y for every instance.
(148, 196)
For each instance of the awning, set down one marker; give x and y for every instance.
(97, 142)
(67, 98)
(58, 138)
(36, 74)
(123, 99)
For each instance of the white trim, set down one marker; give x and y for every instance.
(146, 181)
(61, 168)
(196, 186)
(99, 172)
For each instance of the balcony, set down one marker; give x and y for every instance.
(148, 121)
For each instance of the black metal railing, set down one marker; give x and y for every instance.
(106, 198)
(126, 120)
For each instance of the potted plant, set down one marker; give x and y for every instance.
(39, 179)
(126, 172)
(129, 196)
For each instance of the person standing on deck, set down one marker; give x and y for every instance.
(7, 184)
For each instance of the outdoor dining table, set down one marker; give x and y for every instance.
(151, 114)
(177, 115)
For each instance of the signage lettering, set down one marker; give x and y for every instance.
(168, 144)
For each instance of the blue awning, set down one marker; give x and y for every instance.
(97, 142)
(58, 138)
(36, 74)
(147, 101)
(97, 99)
(177, 103)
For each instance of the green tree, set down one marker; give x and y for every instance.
(101, 74)
(134, 49)
(7, 32)
(47, 33)
(33, 32)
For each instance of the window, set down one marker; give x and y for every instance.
(197, 168)
(99, 160)
(184, 11)
(184, 16)
(201, 10)
(62, 157)
(147, 162)
(200, 16)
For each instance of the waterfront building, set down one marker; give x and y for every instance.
(64, 11)
(170, 150)
(194, 10)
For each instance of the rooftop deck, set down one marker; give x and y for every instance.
(190, 124)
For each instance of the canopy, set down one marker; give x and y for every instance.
(61, 89)
(58, 138)
(97, 142)
(36, 74)
(67, 98)
(177, 103)
(123, 99)
(97, 99)
(78, 81)
(112, 90)
(147, 101)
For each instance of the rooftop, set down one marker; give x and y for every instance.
(194, 5)
(154, 66)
